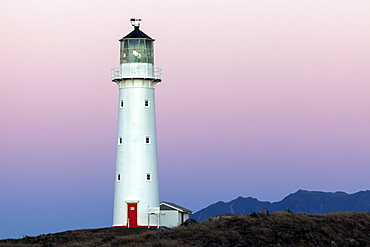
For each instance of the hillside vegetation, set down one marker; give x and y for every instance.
(282, 228)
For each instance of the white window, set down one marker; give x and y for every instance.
(148, 177)
(121, 104)
(118, 177)
(147, 139)
(120, 140)
(146, 103)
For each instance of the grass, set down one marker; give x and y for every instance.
(258, 229)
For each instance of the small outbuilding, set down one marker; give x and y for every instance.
(172, 215)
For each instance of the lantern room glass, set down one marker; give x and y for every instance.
(137, 51)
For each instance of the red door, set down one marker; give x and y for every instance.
(132, 214)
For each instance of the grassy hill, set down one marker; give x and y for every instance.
(282, 228)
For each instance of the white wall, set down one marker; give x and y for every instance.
(171, 218)
(135, 157)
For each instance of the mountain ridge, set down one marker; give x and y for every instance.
(302, 201)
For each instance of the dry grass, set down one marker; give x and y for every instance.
(258, 229)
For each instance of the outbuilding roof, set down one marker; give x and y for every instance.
(173, 206)
(136, 33)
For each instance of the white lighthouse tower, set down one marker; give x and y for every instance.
(136, 197)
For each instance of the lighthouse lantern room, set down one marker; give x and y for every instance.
(136, 196)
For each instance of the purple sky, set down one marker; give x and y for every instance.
(259, 98)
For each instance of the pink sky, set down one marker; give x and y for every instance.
(259, 98)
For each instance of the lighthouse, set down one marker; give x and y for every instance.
(136, 195)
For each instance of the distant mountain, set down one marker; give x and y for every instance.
(302, 201)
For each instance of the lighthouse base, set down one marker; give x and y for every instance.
(148, 227)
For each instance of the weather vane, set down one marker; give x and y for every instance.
(135, 22)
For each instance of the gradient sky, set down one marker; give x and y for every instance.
(259, 98)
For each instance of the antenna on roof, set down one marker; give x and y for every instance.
(135, 22)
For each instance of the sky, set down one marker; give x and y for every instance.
(258, 98)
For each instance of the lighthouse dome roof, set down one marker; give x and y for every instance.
(136, 34)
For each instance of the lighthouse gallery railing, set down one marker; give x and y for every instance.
(136, 72)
